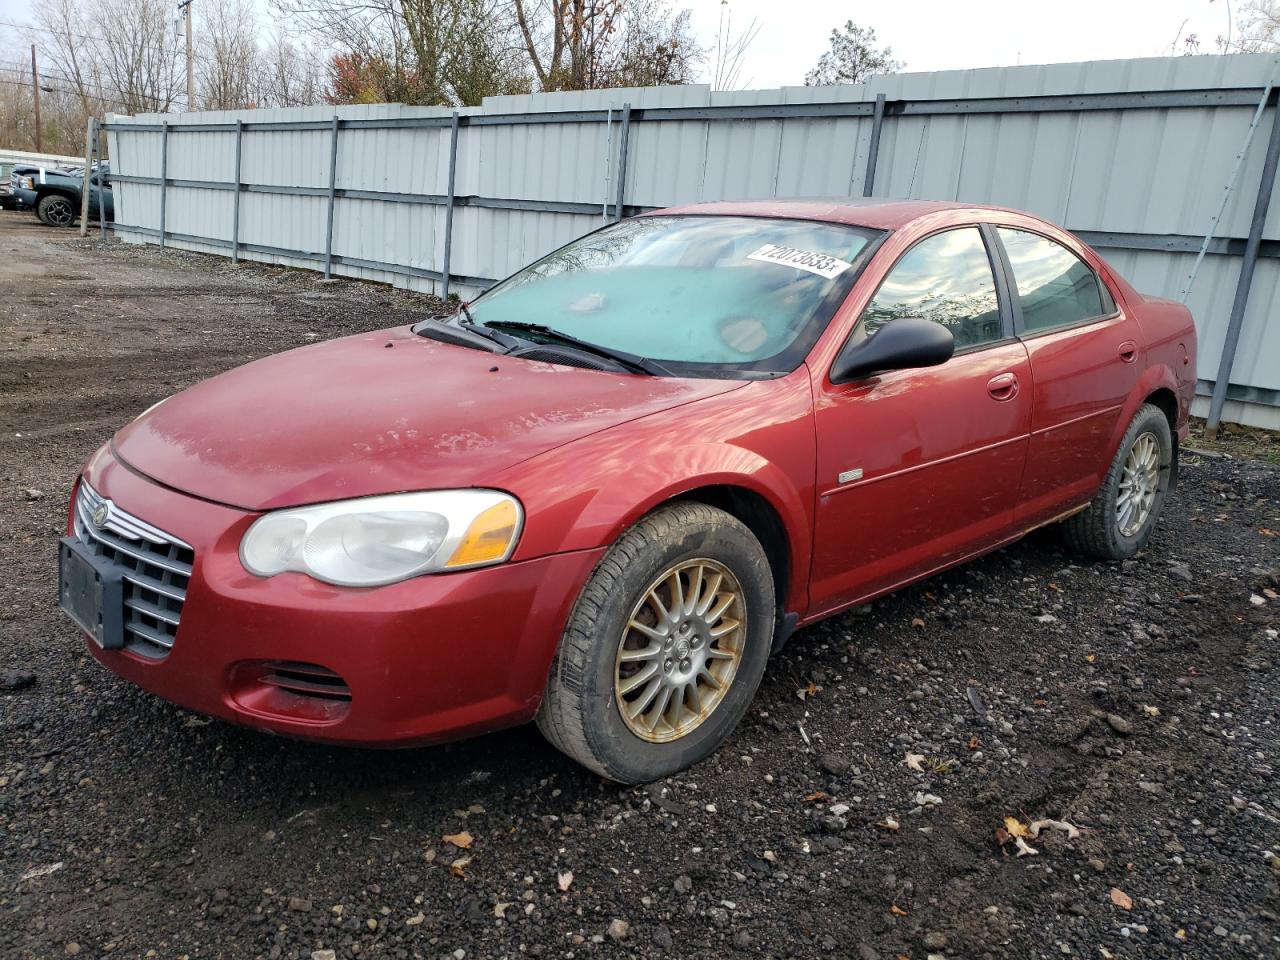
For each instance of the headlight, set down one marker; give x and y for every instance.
(379, 540)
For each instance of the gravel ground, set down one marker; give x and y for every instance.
(856, 813)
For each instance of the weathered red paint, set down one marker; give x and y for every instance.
(949, 471)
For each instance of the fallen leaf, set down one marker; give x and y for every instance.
(1270, 594)
(889, 823)
(1040, 703)
(818, 796)
(459, 867)
(1002, 836)
(564, 880)
(1150, 711)
(1091, 658)
(500, 910)
(42, 871)
(897, 911)
(1024, 848)
(974, 743)
(1015, 827)
(461, 840)
(917, 623)
(914, 760)
(1121, 899)
(1054, 586)
(1181, 934)
(927, 799)
(1266, 531)
(1071, 831)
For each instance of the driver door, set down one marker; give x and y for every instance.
(920, 468)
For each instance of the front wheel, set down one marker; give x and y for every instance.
(55, 210)
(665, 646)
(1120, 520)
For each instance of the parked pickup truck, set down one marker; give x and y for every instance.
(56, 195)
(10, 174)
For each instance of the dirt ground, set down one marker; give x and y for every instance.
(1136, 701)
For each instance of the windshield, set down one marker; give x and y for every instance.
(712, 294)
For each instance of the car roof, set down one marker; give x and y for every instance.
(882, 214)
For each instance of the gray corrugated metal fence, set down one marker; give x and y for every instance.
(1133, 155)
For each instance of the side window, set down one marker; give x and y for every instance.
(946, 278)
(1054, 287)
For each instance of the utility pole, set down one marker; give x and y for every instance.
(185, 7)
(35, 89)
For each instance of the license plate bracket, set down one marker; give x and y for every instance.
(91, 592)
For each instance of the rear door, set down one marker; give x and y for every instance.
(1085, 357)
(918, 468)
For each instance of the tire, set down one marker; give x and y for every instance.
(582, 711)
(1098, 531)
(56, 210)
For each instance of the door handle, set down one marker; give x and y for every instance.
(1128, 351)
(1003, 386)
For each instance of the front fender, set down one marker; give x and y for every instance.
(585, 494)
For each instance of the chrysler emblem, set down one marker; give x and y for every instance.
(100, 513)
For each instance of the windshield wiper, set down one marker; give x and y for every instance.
(456, 333)
(467, 322)
(629, 360)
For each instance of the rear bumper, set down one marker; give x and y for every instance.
(431, 659)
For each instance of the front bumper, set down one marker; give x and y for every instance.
(430, 659)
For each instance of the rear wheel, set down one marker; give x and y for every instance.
(1120, 520)
(55, 210)
(665, 646)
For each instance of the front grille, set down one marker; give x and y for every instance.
(155, 566)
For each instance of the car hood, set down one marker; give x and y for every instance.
(379, 413)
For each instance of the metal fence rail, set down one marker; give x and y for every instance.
(375, 192)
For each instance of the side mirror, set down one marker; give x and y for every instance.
(899, 345)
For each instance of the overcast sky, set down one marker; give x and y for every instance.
(951, 34)
(926, 34)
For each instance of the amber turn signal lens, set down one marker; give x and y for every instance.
(489, 536)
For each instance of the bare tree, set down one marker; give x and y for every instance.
(444, 52)
(590, 44)
(227, 62)
(289, 75)
(140, 60)
(66, 26)
(731, 49)
(852, 58)
(1259, 28)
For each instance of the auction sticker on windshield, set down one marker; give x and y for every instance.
(819, 263)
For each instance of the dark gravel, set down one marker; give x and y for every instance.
(1136, 701)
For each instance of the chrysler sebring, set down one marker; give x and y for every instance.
(607, 489)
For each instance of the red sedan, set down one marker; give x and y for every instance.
(606, 490)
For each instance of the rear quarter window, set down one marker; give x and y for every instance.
(1055, 288)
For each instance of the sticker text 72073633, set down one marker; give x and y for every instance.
(809, 260)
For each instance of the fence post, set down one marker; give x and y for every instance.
(1245, 282)
(624, 136)
(448, 210)
(333, 180)
(88, 162)
(235, 203)
(164, 177)
(873, 150)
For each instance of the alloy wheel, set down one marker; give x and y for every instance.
(1139, 481)
(59, 213)
(680, 650)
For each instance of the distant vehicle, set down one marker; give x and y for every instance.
(610, 486)
(56, 194)
(12, 195)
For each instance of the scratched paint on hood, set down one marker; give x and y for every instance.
(378, 413)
